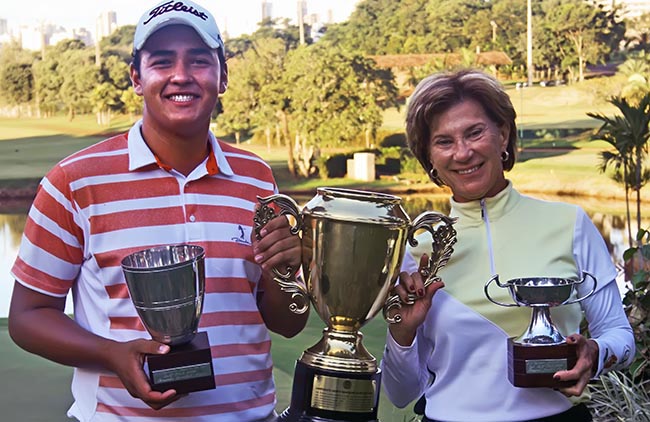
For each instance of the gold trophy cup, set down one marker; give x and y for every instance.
(353, 243)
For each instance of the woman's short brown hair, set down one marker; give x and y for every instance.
(436, 93)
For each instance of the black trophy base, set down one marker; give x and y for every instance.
(185, 368)
(534, 365)
(320, 395)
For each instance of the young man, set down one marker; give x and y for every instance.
(167, 181)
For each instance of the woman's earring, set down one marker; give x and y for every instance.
(433, 175)
(504, 156)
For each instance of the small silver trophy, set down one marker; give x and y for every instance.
(167, 286)
(542, 350)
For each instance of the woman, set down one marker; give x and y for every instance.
(452, 347)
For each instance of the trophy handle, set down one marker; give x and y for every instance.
(288, 281)
(495, 278)
(593, 289)
(444, 237)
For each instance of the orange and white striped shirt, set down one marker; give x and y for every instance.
(112, 199)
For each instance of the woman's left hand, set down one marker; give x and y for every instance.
(585, 367)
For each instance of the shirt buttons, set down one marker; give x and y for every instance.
(192, 218)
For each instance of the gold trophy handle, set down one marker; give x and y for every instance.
(288, 280)
(444, 237)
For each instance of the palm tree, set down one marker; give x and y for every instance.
(628, 134)
(637, 72)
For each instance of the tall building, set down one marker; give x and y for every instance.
(302, 9)
(631, 8)
(635, 8)
(105, 25)
(267, 10)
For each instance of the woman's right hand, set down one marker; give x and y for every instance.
(413, 315)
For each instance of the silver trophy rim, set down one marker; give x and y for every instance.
(126, 261)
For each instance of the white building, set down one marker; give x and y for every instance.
(105, 24)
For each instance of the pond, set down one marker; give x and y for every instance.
(611, 226)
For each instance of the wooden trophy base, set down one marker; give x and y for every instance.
(184, 368)
(320, 395)
(534, 365)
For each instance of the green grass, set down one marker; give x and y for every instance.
(35, 389)
(29, 147)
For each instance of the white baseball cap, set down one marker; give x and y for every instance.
(178, 12)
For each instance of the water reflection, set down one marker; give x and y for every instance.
(13, 215)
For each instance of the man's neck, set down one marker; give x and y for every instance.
(182, 153)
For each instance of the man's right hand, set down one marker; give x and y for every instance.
(127, 360)
(38, 324)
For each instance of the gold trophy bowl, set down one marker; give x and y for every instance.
(353, 243)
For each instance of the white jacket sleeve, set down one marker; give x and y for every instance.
(403, 379)
(608, 324)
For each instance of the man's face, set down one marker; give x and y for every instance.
(179, 78)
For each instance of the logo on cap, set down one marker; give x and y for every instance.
(179, 6)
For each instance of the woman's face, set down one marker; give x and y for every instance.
(466, 149)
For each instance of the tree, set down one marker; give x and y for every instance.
(256, 98)
(16, 75)
(16, 82)
(637, 71)
(114, 80)
(335, 97)
(47, 85)
(629, 134)
(119, 43)
(132, 102)
(583, 32)
(639, 38)
(80, 76)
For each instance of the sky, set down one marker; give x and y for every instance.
(236, 16)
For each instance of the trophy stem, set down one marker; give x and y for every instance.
(340, 351)
(541, 330)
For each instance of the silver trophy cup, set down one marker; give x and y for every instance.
(541, 350)
(167, 287)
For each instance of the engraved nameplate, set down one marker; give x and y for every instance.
(545, 366)
(181, 373)
(343, 394)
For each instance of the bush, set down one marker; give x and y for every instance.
(333, 165)
(394, 140)
(637, 303)
(616, 397)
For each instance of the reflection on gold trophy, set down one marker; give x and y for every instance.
(353, 243)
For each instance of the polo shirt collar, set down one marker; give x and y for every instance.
(141, 156)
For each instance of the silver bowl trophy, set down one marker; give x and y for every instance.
(167, 286)
(352, 243)
(541, 350)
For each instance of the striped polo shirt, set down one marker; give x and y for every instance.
(112, 199)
